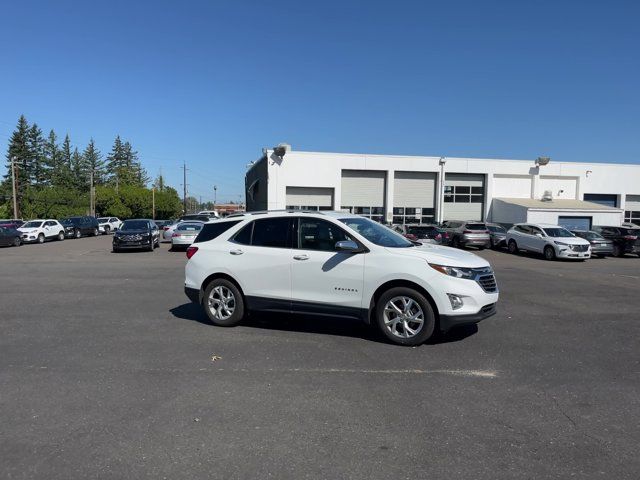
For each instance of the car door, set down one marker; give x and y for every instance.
(48, 229)
(259, 257)
(537, 240)
(4, 236)
(324, 280)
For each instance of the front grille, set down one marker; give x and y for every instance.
(579, 248)
(486, 279)
(130, 238)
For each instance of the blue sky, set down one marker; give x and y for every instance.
(212, 82)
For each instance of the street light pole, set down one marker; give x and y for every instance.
(215, 195)
(153, 203)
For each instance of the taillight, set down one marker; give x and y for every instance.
(191, 251)
(175, 235)
(438, 237)
(630, 237)
(165, 228)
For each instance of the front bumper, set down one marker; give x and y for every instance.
(569, 254)
(447, 322)
(132, 244)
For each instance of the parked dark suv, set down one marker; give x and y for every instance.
(136, 234)
(467, 234)
(625, 240)
(76, 227)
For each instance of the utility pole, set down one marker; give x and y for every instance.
(184, 185)
(215, 195)
(13, 182)
(200, 206)
(153, 203)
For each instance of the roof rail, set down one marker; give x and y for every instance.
(264, 212)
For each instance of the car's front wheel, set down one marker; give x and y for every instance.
(107, 230)
(41, 238)
(513, 247)
(223, 303)
(549, 253)
(77, 233)
(17, 241)
(61, 235)
(404, 316)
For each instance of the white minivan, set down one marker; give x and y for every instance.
(336, 264)
(553, 241)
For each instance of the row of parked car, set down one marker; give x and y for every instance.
(552, 241)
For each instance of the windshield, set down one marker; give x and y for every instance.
(421, 230)
(69, 220)
(194, 227)
(103, 220)
(32, 225)
(135, 225)
(376, 233)
(558, 232)
(496, 229)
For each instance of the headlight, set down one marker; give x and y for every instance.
(561, 243)
(457, 272)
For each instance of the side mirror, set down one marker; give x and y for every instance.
(539, 235)
(348, 246)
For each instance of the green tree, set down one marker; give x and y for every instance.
(19, 150)
(79, 179)
(116, 163)
(57, 172)
(158, 183)
(108, 203)
(36, 145)
(93, 163)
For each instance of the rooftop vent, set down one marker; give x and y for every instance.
(547, 196)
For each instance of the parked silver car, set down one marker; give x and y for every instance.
(497, 235)
(467, 234)
(185, 233)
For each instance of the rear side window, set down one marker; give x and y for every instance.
(213, 230)
(271, 232)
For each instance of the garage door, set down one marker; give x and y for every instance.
(309, 198)
(463, 197)
(363, 193)
(575, 223)
(602, 199)
(414, 197)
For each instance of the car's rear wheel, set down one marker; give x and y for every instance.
(17, 241)
(617, 251)
(513, 247)
(61, 236)
(41, 238)
(95, 232)
(549, 253)
(456, 242)
(223, 303)
(404, 316)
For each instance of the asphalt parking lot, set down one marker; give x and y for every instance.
(107, 372)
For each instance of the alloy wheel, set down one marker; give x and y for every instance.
(221, 302)
(403, 317)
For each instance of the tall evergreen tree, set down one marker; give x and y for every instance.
(93, 162)
(79, 178)
(116, 162)
(57, 171)
(36, 145)
(20, 153)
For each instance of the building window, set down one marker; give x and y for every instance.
(314, 208)
(463, 194)
(374, 213)
(631, 216)
(411, 215)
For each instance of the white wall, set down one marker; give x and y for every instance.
(512, 186)
(598, 218)
(560, 187)
(504, 212)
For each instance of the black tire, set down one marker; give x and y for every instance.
(150, 248)
(492, 244)
(115, 250)
(549, 253)
(60, 236)
(107, 229)
(617, 251)
(456, 242)
(95, 232)
(77, 233)
(41, 238)
(17, 241)
(238, 303)
(481, 247)
(429, 319)
(512, 247)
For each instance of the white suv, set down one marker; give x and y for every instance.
(552, 241)
(107, 225)
(41, 230)
(339, 265)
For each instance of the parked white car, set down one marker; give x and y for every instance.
(107, 225)
(336, 264)
(553, 241)
(210, 213)
(40, 230)
(185, 234)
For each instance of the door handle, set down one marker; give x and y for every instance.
(236, 252)
(303, 256)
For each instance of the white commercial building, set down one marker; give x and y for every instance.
(415, 189)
